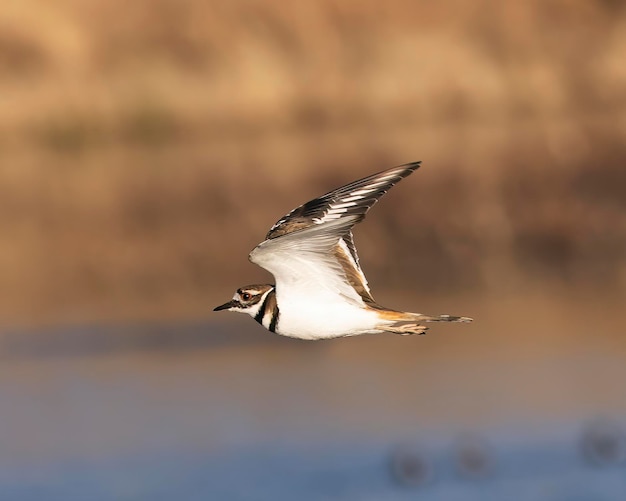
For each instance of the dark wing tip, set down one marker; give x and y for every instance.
(405, 170)
(412, 165)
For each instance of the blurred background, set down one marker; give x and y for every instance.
(146, 147)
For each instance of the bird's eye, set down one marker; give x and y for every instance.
(246, 296)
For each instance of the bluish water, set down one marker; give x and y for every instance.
(526, 471)
(196, 412)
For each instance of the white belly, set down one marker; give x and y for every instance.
(320, 318)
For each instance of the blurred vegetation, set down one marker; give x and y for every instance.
(146, 146)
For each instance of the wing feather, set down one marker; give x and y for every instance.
(308, 257)
(359, 276)
(313, 244)
(355, 198)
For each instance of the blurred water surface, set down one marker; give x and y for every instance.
(228, 411)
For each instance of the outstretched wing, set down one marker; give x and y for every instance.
(312, 246)
(355, 198)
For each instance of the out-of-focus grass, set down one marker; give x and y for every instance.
(265, 64)
(146, 147)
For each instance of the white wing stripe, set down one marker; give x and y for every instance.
(301, 250)
(343, 205)
(352, 198)
(363, 191)
(328, 217)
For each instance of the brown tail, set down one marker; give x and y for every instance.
(406, 323)
(441, 318)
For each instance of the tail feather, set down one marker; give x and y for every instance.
(405, 323)
(442, 318)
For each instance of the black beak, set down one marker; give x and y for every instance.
(225, 306)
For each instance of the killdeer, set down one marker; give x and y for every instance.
(321, 291)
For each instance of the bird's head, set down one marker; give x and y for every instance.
(248, 299)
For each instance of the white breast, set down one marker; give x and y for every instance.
(321, 316)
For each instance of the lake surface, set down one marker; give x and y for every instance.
(210, 410)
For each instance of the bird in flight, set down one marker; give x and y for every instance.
(321, 291)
